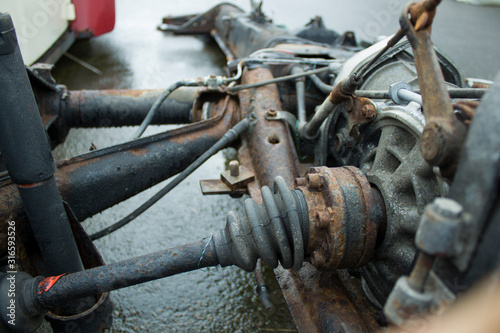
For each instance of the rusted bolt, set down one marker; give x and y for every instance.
(313, 181)
(234, 168)
(323, 217)
(300, 182)
(368, 111)
(271, 113)
(432, 144)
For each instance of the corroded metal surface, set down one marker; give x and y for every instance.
(123, 107)
(127, 272)
(122, 171)
(345, 215)
(317, 300)
(269, 149)
(443, 135)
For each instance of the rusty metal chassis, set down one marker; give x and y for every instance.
(318, 301)
(93, 182)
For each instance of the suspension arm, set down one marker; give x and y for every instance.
(100, 179)
(443, 135)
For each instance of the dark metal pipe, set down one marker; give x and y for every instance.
(276, 231)
(300, 89)
(453, 92)
(262, 288)
(106, 108)
(129, 272)
(27, 155)
(50, 225)
(100, 179)
(22, 137)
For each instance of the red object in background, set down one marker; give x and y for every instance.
(93, 17)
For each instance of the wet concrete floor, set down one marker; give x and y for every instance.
(137, 56)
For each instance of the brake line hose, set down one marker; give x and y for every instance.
(156, 105)
(228, 137)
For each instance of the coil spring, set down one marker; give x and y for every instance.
(276, 231)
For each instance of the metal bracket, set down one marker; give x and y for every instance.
(232, 181)
(284, 116)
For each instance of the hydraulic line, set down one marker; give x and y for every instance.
(184, 83)
(154, 108)
(189, 83)
(453, 92)
(278, 79)
(325, 88)
(229, 137)
(300, 88)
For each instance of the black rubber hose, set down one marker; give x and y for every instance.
(154, 108)
(230, 136)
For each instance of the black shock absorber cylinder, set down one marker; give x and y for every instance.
(28, 158)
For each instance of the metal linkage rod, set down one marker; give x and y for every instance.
(276, 231)
(127, 273)
(453, 92)
(393, 41)
(279, 79)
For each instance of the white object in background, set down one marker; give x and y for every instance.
(481, 2)
(38, 23)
